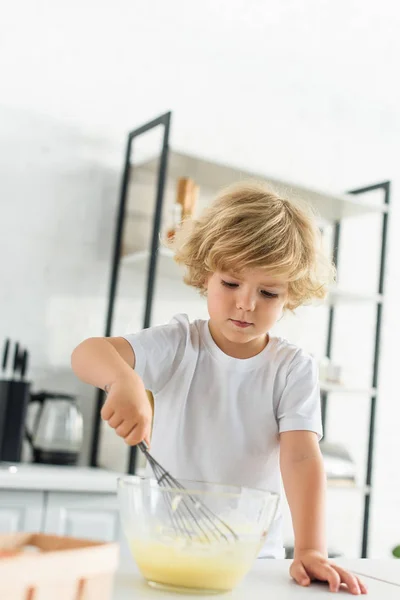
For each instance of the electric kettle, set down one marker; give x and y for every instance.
(57, 432)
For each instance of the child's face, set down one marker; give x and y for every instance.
(244, 307)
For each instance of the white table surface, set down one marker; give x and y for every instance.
(269, 580)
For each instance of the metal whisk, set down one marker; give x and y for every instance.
(190, 518)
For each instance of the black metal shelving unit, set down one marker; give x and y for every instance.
(385, 188)
(165, 122)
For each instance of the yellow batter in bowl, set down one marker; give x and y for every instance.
(214, 567)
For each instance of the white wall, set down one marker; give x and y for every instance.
(305, 91)
(57, 218)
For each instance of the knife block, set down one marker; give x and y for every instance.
(14, 398)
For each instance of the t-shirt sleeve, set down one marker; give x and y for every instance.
(299, 407)
(159, 351)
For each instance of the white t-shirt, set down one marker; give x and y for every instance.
(218, 418)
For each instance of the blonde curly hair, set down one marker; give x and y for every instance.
(249, 226)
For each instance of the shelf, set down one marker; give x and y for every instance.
(344, 484)
(213, 176)
(167, 267)
(337, 295)
(141, 256)
(336, 388)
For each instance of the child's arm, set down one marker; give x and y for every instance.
(304, 480)
(108, 363)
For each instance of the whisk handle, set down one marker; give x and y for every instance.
(143, 447)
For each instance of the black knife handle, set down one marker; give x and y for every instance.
(24, 363)
(5, 353)
(16, 358)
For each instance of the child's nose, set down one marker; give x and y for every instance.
(245, 301)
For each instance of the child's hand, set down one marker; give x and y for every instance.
(311, 565)
(127, 410)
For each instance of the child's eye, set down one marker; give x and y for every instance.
(229, 284)
(268, 294)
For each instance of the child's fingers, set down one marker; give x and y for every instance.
(299, 574)
(363, 587)
(131, 437)
(115, 421)
(107, 411)
(137, 434)
(349, 579)
(124, 428)
(325, 572)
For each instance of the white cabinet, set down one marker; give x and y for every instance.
(21, 511)
(83, 515)
(71, 501)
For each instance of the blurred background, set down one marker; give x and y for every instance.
(303, 95)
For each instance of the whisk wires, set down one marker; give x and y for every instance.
(190, 518)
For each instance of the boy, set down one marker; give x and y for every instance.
(233, 404)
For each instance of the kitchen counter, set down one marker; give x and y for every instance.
(57, 478)
(269, 580)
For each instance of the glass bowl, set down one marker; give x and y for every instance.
(174, 552)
